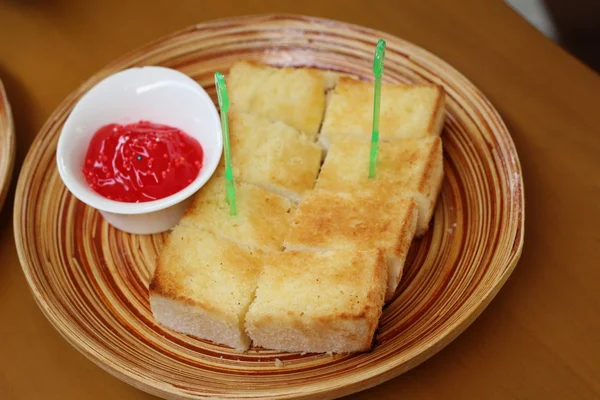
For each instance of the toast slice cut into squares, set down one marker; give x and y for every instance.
(262, 221)
(318, 301)
(341, 221)
(273, 155)
(295, 96)
(411, 167)
(203, 285)
(407, 111)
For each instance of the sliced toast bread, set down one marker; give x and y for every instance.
(341, 221)
(203, 286)
(262, 221)
(273, 155)
(407, 111)
(295, 96)
(411, 167)
(318, 302)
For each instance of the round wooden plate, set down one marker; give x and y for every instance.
(91, 280)
(7, 145)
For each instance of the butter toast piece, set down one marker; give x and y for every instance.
(341, 221)
(295, 96)
(203, 286)
(407, 111)
(273, 155)
(262, 219)
(318, 301)
(411, 167)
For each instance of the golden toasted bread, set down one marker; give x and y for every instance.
(407, 111)
(203, 286)
(295, 96)
(341, 221)
(262, 219)
(224, 278)
(273, 155)
(318, 301)
(411, 167)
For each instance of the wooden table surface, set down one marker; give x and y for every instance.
(539, 339)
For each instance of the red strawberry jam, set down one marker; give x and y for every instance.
(141, 162)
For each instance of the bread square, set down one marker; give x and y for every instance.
(273, 155)
(262, 221)
(318, 301)
(336, 221)
(295, 96)
(407, 111)
(411, 167)
(203, 286)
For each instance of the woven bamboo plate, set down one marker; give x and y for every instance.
(91, 280)
(7, 145)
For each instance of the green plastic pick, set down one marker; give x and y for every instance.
(378, 72)
(224, 106)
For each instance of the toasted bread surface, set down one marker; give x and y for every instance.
(273, 155)
(361, 221)
(295, 96)
(262, 219)
(318, 301)
(411, 167)
(407, 111)
(203, 285)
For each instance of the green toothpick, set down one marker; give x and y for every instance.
(378, 72)
(224, 105)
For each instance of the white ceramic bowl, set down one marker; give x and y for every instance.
(160, 95)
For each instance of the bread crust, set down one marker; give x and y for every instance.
(436, 123)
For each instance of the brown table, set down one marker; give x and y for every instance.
(539, 339)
